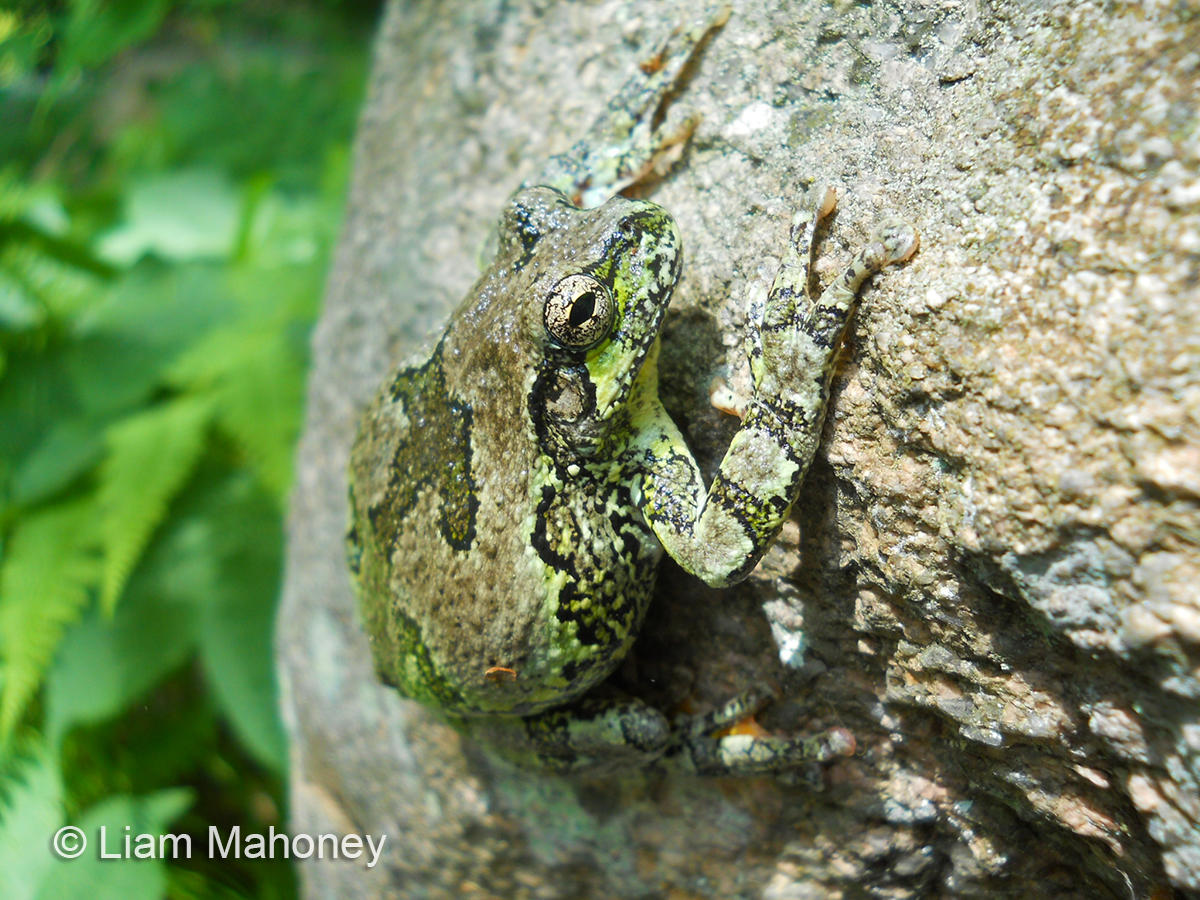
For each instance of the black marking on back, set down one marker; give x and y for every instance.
(435, 453)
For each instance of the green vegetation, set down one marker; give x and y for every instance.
(171, 181)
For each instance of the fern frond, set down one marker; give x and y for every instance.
(260, 410)
(256, 380)
(150, 456)
(49, 564)
(42, 269)
(29, 813)
(43, 274)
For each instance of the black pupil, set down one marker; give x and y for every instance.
(582, 309)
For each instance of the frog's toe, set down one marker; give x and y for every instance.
(900, 241)
(828, 202)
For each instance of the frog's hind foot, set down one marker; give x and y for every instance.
(729, 741)
(634, 135)
(899, 241)
(752, 754)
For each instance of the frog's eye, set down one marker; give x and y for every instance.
(579, 312)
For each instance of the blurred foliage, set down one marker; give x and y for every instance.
(171, 180)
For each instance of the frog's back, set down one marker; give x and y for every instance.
(490, 581)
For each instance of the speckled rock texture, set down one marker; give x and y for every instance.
(992, 577)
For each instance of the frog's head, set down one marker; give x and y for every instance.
(600, 282)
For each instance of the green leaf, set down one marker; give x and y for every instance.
(211, 582)
(150, 456)
(18, 311)
(43, 588)
(124, 342)
(105, 664)
(237, 618)
(22, 44)
(112, 372)
(56, 275)
(255, 375)
(236, 649)
(287, 231)
(29, 815)
(70, 448)
(16, 195)
(35, 394)
(118, 879)
(185, 215)
(259, 407)
(163, 304)
(97, 30)
(261, 116)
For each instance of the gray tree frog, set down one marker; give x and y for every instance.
(511, 497)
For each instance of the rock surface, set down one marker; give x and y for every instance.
(992, 575)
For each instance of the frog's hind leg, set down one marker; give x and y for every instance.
(596, 734)
(611, 733)
(632, 134)
(722, 743)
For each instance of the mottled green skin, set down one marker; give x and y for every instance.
(492, 485)
(512, 496)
